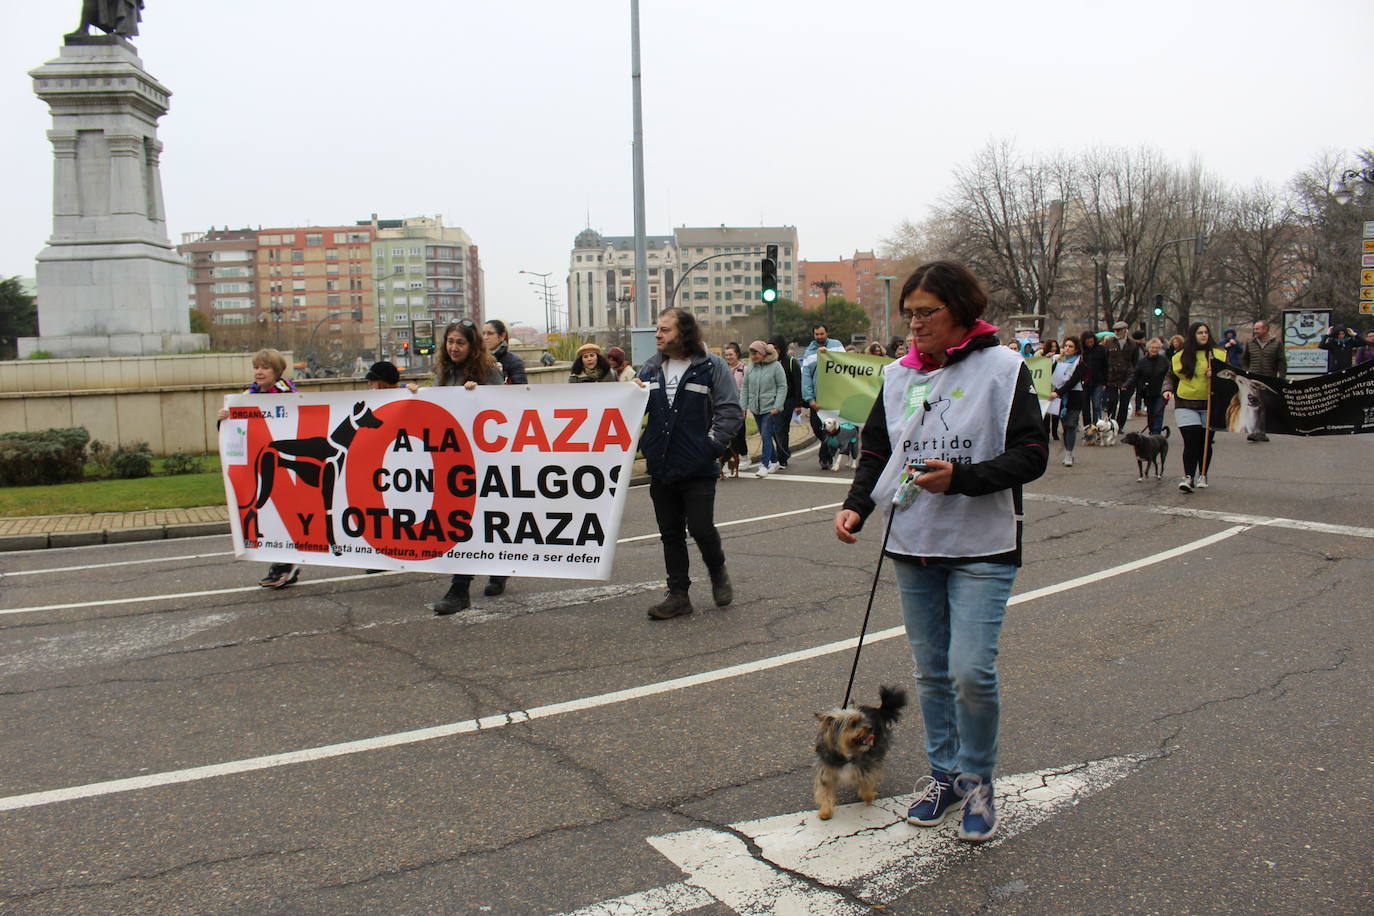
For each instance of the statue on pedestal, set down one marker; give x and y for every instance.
(114, 17)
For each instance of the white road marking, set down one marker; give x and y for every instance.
(500, 720)
(62, 569)
(1234, 518)
(172, 596)
(101, 642)
(869, 852)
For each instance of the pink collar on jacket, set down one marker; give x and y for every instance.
(915, 359)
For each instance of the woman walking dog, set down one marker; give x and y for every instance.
(966, 408)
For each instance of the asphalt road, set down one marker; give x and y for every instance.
(1186, 679)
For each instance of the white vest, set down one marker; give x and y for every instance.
(959, 414)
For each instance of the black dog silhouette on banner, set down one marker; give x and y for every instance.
(318, 462)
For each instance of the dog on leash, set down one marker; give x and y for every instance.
(729, 465)
(1150, 451)
(1103, 432)
(843, 439)
(850, 748)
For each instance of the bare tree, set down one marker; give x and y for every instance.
(1195, 203)
(1125, 200)
(1255, 249)
(1328, 233)
(1011, 213)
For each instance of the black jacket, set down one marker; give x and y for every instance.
(1149, 375)
(512, 365)
(687, 438)
(1026, 456)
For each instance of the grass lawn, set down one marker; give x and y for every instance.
(180, 491)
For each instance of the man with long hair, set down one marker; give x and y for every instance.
(693, 415)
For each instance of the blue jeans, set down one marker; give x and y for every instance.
(1155, 414)
(765, 422)
(953, 616)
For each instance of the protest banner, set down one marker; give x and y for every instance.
(848, 382)
(501, 480)
(1337, 404)
(1041, 369)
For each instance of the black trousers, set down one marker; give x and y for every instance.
(1195, 438)
(827, 453)
(782, 434)
(683, 506)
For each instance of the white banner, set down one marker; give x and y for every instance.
(503, 480)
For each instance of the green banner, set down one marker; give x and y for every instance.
(1041, 368)
(848, 382)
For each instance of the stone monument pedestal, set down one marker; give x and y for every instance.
(110, 283)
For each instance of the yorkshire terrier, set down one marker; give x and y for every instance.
(850, 748)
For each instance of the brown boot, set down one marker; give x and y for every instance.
(674, 604)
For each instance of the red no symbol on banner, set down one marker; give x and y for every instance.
(425, 437)
(293, 488)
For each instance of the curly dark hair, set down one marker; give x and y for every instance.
(475, 368)
(690, 330)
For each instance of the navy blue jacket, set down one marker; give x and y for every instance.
(687, 438)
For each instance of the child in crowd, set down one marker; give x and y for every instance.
(268, 367)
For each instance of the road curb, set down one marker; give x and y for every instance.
(54, 540)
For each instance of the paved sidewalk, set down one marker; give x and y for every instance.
(39, 532)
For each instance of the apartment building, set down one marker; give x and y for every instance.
(221, 270)
(601, 280)
(855, 279)
(319, 278)
(601, 274)
(422, 269)
(717, 287)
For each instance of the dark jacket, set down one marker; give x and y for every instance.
(1095, 358)
(687, 438)
(1149, 375)
(792, 367)
(1025, 457)
(1340, 351)
(512, 365)
(1267, 358)
(1120, 360)
(1234, 348)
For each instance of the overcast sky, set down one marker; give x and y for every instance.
(513, 119)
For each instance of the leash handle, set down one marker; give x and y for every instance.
(872, 592)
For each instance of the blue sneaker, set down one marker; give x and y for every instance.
(980, 816)
(935, 797)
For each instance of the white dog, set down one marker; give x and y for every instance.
(1103, 432)
(843, 439)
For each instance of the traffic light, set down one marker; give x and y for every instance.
(1200, 244)
(1159, 305)
(768, 282)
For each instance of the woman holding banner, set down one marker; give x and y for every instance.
(463, 360)
(1189, 385)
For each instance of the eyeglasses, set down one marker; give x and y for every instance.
(466, 323)
(921, 314)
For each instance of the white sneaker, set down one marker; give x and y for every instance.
(1200, 481)
(1186, 485)
(1068, 459)
(762, 471)
(774, 468)
(744, 463)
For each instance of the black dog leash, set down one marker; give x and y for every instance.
(872, 592)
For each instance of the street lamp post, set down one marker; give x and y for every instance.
(547, 287)
(887, 308)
